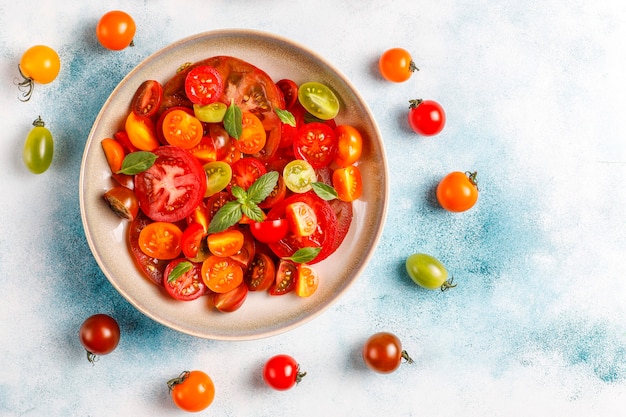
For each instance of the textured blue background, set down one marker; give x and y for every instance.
(534, 96)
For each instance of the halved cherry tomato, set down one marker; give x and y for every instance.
(205, 150)
(122, 137)
(230, 301)
(204, 85)
(192, 239)
(277, 194)
(159, 123)
(299, 176)
(270, 230)
(151, 267)
(247, 251)
(161, 240)
(261, 273)
(141, 132)
(182, 129)
(253, 137)
(246, 171)
(147, 99)
(315, 143)
(114, 153)
(221, 274)
(218, 176)
(210, 113)
(123, 202)
(302, 219)
(307, 280)
(200, 215)
(216, 201)
(290, 91)
(319, 100)
(187, 286)
(171, 188)
(349, 145)
(285, 280)
(348, 183)
(226, 243)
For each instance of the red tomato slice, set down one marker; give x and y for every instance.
(173, 187)
(204, 85)
(151, 267)
(191, 239)
(261, 273)
(290, 91)
(188, 286)
(147, 99)
(230, 301)
(246, 171)
(324, 235)
(285, 281)
(315, 143)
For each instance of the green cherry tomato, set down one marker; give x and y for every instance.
(38, 148)
(210, 113)
(319, 100)
(426, 271)
(218, 176)
(299, 176)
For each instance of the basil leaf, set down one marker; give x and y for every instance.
(286, 117)
(324, 191)
(228, 215)
(304, 255)
(253, 212)
(233, 120)
(262, 187)
(136, 162)
(239, 193)
(179, 269)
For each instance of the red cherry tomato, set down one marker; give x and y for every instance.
(285, 280)
(192, 238)
(458, 191)
(290, 91)
(123, 202)
(246, 171)
(269, 231)
(315, 143)
(186, 286)
(99, 335)
(204, 85)
(282, 372)
(192, 391)
(232, 300)
(261, 273)
(116, 30)
(147, 99)
(349, 145)
(383, 353)
(426, 117)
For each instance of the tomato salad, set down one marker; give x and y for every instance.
(232, 182)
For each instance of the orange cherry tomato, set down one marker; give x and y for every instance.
(192, 391)
(205, 150)
(458, 191)
(161, 240)
(226, 243)
(141, 132)
(114, 153)
(348, 183)
(253, 136)
(302, 218)
(182, 129)
(307, 280)
(349, 145)
(115, 30)
(221, 274)
(396, 65)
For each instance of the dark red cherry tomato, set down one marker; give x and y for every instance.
(147, 99)
(290, 91)
(383, 353)
(282, 372)
(261, 273)
(204, 85)
(230, 301)
(185, 286)
(99, 335)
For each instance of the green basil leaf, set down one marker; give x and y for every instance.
(179, 269)
(239, 193)
(262, 187)
(136, 162)
(253, 212)
(286, 117)
(233, 120)
(228, 215)
(304, 255)
(324, 191)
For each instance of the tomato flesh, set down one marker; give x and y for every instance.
(315, 143)
(261, 273)
(147, 98)
(221, 274)
(203, 85)
(186, 287)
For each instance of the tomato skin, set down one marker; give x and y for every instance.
(382, 353)
(426, 117)
(203, 85)
(40, 63)
(226, 243)
(114, 153)
(191, 239)
(269, 231)
(99, 334)
(428, 272)
(315, 143)
(141, 132)
(261, 273)
(189, 286)
(349, 145)
(348, 183)
(221, 274)
(192, 391)
(285, 281)
(151, 267)
(230, 301)
(290, 91)
(161, 240)
(396, 65)
(115, 30)
(147, 98)
(282, 372)
(123, 202)
(38, 148)
(458, 191)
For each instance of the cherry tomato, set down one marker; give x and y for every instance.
(182, 129)
(39, 64)
(348, 183)
(315, 143)
(269, 231)
(147, 99)
(246, 171)
(192, 239)
(278, 194)
(161, 240)
(253, 137)
(247, 252)
(301, 218)
(307, 280)
(204, 85)
(115, 30)
(426, 117)
(427, 272)
(383, 353)
(285, 280)
(38, 148)
(396, 65)
(205, 150)
(152, 268)
(349, 145)
(141, 132)
(221, 274)
(192, 391)
(299, 176)
(219, 175)
(458, 191)
(123, 202)
(210, 113)
(261, 273)
(173, 187)
(114, 153)
(290, 91)
(319, 100)
(159, 124)
(282, 372)
(99, 335)
(232, 300)
(226, 243)
(186, 286)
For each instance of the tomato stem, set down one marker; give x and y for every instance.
(178, 380)
(472, 177)
(92, 357)
(413, 67)
(299, 375)
(39, 122)
(406, 357)
(448, 284)
(414, 103)
(26, 86)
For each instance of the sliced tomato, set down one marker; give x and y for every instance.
(246, 171)
(247, 251)
(159, 124)
(343, 213)
(182, 129)
(290, 91)
(230, 301)
(253, 136)
(226, 243)
(349, 145)
(301, 218)
(203, 85)
(192, 239)
(278, 194)
(221, 274)
(171, 188)
(315, 143)
(218, 176)
(188, 285)
(141, 132)
(261, 273)
(270, 231)
(324, 235)
(161, 240)
(151, 267)
(114, 153)
(147, 99)
(307, 280)
(285, 280)
(205, 150)
(348, 183)
(216, 201)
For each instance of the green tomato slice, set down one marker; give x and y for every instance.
(210, 113)
(319, 100)
(218, 176)
(299, 176)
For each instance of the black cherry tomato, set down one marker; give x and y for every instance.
(383, 353)
(99, 335)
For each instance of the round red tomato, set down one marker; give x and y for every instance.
(147, 99)
(316, 143)
(204, 85)
(99, 335)
(426, 117)
(383, 353)
(186, 285)
(173, 187)
(282, 372)
(269, 231)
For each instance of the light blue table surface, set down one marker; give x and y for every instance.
(534, 93)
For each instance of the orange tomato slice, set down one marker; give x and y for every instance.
(253, 136)
(221, 275)
(161, 240)
(307, 280)
(141, 132)
(348, 183)
(182, 129)
(114, 153)
(226, 243)
(302, 218)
